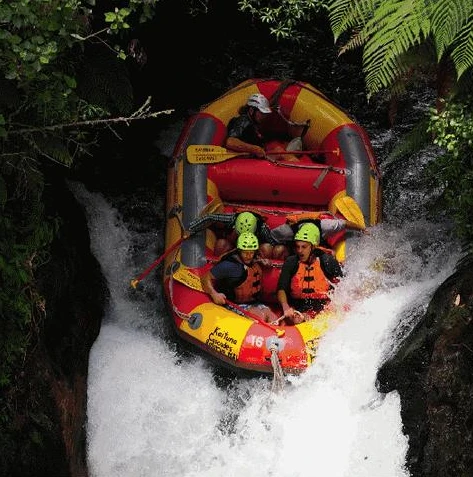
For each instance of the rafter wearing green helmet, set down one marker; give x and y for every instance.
(246, 222)
(247, 241)
(308, 233)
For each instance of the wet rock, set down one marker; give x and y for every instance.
(49, 436)
(432, 371)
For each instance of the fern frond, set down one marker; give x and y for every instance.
(462, 54)
(396, 26)
(53, 148)
(357, 40)
(448, 22)
(348, 14)
(410, 143)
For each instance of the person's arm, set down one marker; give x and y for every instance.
(266, 235)
(240, 129)
(331, 267)
(237, 145)
(287, 310)
(332, 226)
(283, 287)
(207, 284)
(201, 223)
(355, 226)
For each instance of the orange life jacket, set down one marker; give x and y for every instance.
(294, 218)
(249, 290)
(309, 281)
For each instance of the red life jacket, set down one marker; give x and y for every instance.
(249, 290)
(309, 281)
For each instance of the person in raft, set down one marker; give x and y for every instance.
(237, 277)
(234, 225)
(328, 224)
(307, 277)
(246, 132)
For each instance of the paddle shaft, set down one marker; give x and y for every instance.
(203, 154)
(278, 331)
(276, 153)
(144, 274)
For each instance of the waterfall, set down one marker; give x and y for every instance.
(157, 410)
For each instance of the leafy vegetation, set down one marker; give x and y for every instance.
(394, 35)
(389, 30)
(452, 130)
(47, 116)
(283, 17)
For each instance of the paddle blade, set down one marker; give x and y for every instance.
(350, 210)
(205, 154)
(188, 278)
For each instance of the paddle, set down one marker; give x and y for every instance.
(135, 281)
(208, 154)
(211, 207)
(349, 208)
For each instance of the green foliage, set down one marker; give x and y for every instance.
(284, 16)
(46, 116)
(387, 30)
(412, 142)
(24, 240)
(453, 171)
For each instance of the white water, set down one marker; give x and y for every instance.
(151, 414)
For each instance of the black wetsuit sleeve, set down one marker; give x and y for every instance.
(242, 128)
(330, 266)
(288, 269)
(265, 235)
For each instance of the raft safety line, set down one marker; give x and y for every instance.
(179, 313)
(278, 374)
(327, 169)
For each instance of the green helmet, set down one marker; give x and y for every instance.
(308, 233)
(246, 222)
(247, 241)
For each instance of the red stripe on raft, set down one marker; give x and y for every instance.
(287, 98)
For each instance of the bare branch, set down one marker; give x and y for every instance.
(141, 113)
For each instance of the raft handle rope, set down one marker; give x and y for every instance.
(325, 168)
(278, 374)
(179, 313)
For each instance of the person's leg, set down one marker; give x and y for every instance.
(263, 312)
(222, 246)
(265, 250)
(272, 152)
(280, 252)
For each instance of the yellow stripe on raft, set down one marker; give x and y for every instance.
(221, 330)
(312, 331)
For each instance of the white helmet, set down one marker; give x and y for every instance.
(259, 101)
